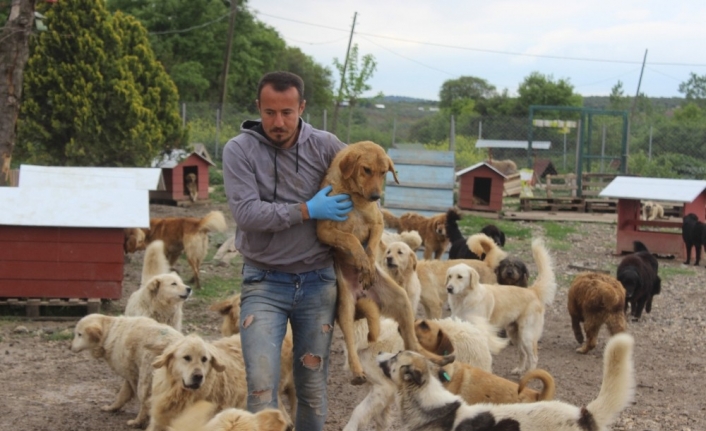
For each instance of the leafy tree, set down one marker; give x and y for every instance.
(95, 95)
(355, 81)
(455, 94)
(318, 82)
(617, 98)
(690, 113)
(694, 88)
(538, 89)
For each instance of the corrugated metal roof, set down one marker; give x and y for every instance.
(478, 165)
(536, 145)
(70, 207)
(91, 177)
(663, 189)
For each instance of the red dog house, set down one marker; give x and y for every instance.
(175, 169)
(631, 190)
(480, 188)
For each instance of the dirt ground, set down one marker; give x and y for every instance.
(49, 388)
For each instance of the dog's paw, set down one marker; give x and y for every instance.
(367, 277)
(359, 380)
(109, 408)
(517, 371)
(134, 423)
(582, 349)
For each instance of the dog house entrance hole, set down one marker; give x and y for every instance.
(481, 189)
(190, 170)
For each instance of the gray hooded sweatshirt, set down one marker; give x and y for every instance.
(265, 186)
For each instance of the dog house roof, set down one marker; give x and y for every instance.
(91, 177)
(489, 143)
(476, 166)
(663, 189)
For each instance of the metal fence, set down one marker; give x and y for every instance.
(659, 147)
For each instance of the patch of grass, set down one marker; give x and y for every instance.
(219, 194)
(557, 233)
(669, 272)
(215, 288)
(471, 224)
(59, 336)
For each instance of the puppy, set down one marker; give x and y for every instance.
(595, 299)
(431, 229)
(411, 238)
(128, 346)
(432, 276)
(187, 234)
(519, 311)
(426, 405)
(495, 233)
(192, 186)
(637, 273)
(359, 170)
(652, 211)
(512, 272)
(692, 232)
(161, 294)
(204, 416)
(481, 243)
(401, 264)
(459, 249)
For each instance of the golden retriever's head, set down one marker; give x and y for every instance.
(364, 166)
(432, 337)
(461, 277)
(90, 332)
(229, 308)
(438, 223)
(134, 240)
(409, 368)
(168, 289)
(189, 360)
(400, 258)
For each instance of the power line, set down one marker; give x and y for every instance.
(196, 27)
(410, 59)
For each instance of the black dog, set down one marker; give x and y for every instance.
(692, 232)
(638, 274)
(459, 249)
(512, 271)
(492, 231)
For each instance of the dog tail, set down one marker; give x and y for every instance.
(453, 233)
(411, 238)
(495, 343)
(638, 246)
(545, 284)
(213, 221)
(618, 387)
(155, 262)
(548, 386)
(391, 220)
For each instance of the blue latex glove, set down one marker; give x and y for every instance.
(324, 207)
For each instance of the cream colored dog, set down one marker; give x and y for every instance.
(204, 416)
(475, 344)
(520, 311)
(128, 346)
(432, 276)
(401, 264)
(652, 211)
(162, 293)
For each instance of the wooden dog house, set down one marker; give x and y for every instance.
(480, 188)
(631, 190)
(61, 233)
(176, 167)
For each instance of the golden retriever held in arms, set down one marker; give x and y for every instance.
(187, 234)
(432, 230)
(359, 170)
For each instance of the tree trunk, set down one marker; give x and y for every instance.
(14, 51)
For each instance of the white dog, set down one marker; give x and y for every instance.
(520, 311)
(162, 293)
(426, 405)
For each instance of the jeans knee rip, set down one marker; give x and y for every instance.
(264, 396)
(312, 362)
(248, 321)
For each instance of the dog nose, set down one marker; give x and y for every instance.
(374, 196)
(449, 289)
(188, 289)
(197, 378)
(389, 260)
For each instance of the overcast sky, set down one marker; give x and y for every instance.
(419, 44)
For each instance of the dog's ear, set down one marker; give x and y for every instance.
(222, 307)
(411, 374)
(166, 357)
(524, 275)
(391, 168)
(348, 164)
(153, 284)
(94, 332)
(444, 346)
(215, 360)
(445, 360)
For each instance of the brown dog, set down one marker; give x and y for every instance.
(432, 230)
(187, 234)
(192, 186)
(512, 271)
(359, 170)
(595, 299)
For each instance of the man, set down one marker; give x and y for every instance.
(272, 173)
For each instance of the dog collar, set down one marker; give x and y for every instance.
(444, 376)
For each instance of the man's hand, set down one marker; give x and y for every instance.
(324, 207)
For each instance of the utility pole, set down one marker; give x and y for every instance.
(334, 122)
(634, 104)
(226, 60)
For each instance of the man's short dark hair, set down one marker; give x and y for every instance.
(282, 81)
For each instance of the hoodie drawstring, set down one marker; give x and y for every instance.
(276, 178)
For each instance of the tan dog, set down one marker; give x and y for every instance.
(401, 264)
(391, 221)
(431, 229)
(481, 243)
(507, 166)
(128, 346)
(411, 238)
(187, 234)
(204, 416)
(432, 276)
(652, 211)
(426, 405)
(229, 308)
(519, 311)
(595, 299)
(192, 186)
(359, 170)
(134, 239)
(161, 294)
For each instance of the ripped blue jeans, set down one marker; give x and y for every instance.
(308, 300)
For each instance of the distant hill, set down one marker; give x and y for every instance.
(405, 99)
(658, 103)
